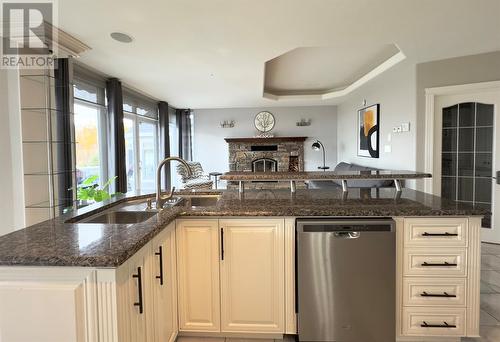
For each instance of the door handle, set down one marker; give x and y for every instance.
(160, 255)
(139, 303)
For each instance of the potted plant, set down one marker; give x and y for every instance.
(89, 191)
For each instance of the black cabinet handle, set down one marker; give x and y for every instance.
(160, 255)
(222, 243)
(439, 234)
(445, 264)
(444, 294)
(139, 287)
(444, 325)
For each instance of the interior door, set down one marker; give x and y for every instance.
(467, 153)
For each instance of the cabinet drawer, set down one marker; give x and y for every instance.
(440, 262)
(421, 321)
(434, 291)
(423, 232)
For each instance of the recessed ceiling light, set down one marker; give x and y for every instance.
(121, 37)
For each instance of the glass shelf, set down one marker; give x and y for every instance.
(49, 142)
(43, 111)
(44, 173)
(43, 78)
(46, 204)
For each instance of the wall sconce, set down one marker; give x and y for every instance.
(304, 122)
(227, 124)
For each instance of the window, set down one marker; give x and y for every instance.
(128, 124)
(141, 142)
(90, 131)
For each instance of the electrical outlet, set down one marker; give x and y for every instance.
(399, 129)
(394, 129)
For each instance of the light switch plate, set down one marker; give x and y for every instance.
(405, 127)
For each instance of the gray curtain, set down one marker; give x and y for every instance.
(117, 165)
(185, 137)
(63, 150)
(164, 139)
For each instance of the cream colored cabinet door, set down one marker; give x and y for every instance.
(252, 275)
(47, 304)
(134, 298)
(198, 275)
(163, 278)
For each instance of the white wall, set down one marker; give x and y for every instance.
(395, 92)
(210, 148)
(11, 173)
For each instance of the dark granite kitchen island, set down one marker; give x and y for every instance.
(58, 242)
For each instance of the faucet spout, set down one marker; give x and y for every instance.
(160, 200)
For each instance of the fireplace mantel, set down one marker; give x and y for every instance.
(256, 140)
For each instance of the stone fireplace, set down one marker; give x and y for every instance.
(276, 154)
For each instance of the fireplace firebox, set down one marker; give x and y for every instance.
(264, 165)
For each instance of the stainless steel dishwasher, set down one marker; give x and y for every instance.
(346, 280)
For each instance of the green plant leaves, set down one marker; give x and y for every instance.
(89, 190)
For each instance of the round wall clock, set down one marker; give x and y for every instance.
(264, 121)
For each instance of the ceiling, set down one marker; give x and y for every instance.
(212, 54)
(309, 71)
(319, 69)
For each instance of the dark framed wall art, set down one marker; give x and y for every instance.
(368, 131)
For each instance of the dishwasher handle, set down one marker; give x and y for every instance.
(346, 235)
(345, 225)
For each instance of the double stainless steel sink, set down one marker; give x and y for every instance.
(135, 211)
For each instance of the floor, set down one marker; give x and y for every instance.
(490, 302)
(490, 295)
(205, 339)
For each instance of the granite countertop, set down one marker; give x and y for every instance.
(59, 243)
(323, 175)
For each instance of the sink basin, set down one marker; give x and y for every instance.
(202, 201)
(120, 217)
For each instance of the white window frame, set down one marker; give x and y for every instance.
(102, 131)
(137, 120)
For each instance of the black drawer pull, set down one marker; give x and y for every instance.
(160, 255)
(222, 243)
(444, 294)
(445, 325)
(139, 287)
(445, 264)
(439, 234)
